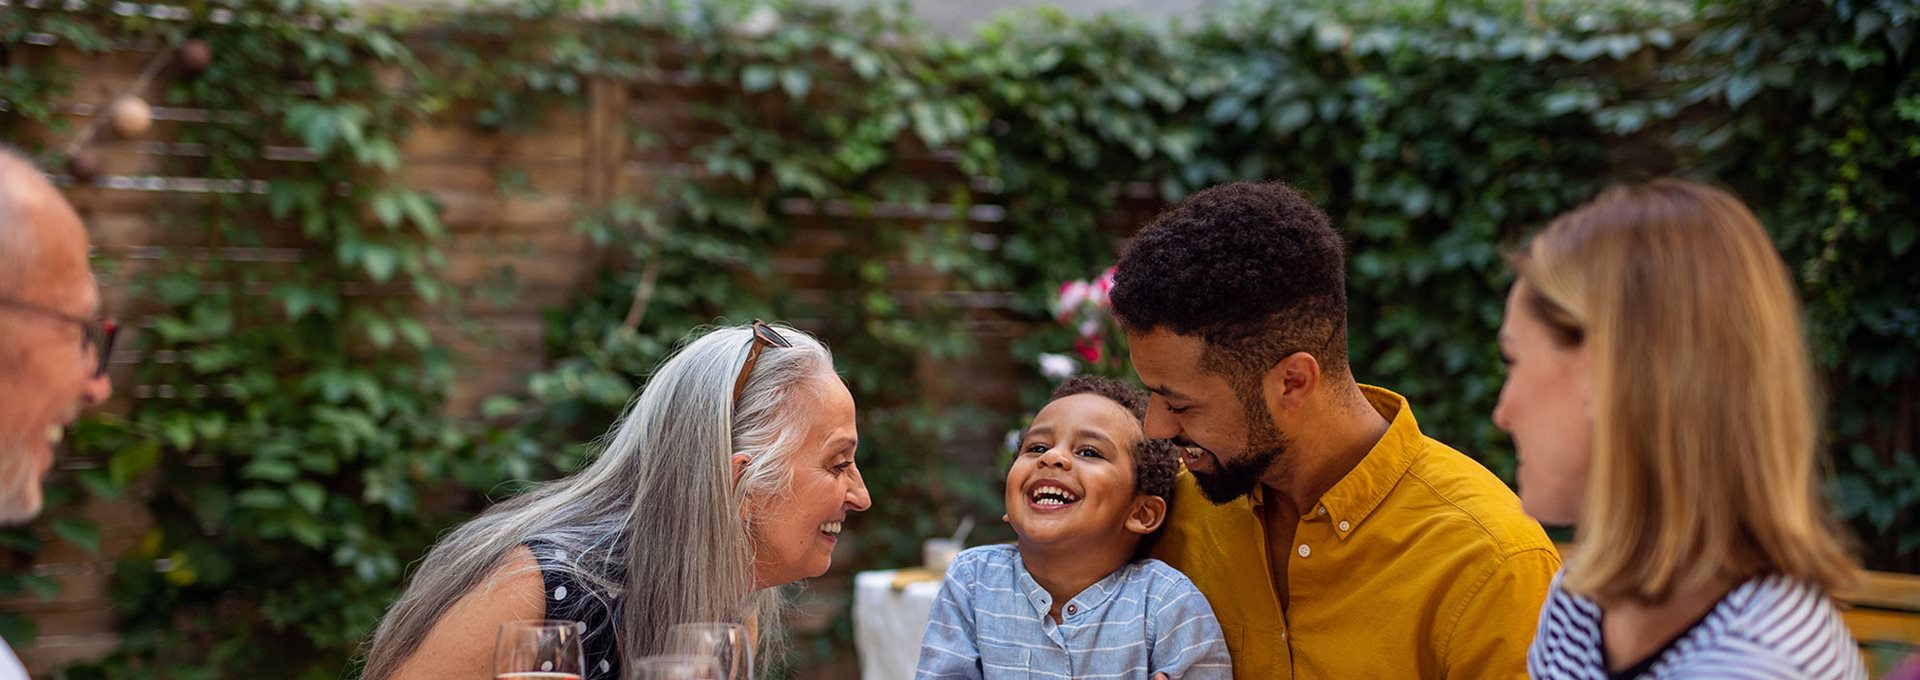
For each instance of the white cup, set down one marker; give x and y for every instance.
(937, 553)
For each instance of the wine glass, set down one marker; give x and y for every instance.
(675, 667)
(539, 650)
(725, 643)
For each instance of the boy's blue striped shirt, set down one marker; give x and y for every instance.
(991, 621)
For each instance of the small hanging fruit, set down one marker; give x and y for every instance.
(84, 165)
(132, 117)
(196, 55)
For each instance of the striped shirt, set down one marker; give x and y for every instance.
(1769, 627)
(991, 621)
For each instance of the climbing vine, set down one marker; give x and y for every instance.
(303, 455)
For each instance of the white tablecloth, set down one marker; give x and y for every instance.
(887, 624)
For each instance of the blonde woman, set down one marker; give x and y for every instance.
(1662, 399)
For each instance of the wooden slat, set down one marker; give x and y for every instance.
(1875, 625)
(53, 651)
(607, 103)
(551, 258)
(510, 347)
(82, 589)
(464, 207)
(1876, 589)
(559, 176)
(106, 73)
(119, 233)
(73, 620)
(561, 138)
(499, 336)
(1885, 590)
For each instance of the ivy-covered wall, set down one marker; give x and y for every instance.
(306, 453)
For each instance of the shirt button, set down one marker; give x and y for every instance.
(1305, 551)
(1321, 511)
(1344, 526)
(1073, 609)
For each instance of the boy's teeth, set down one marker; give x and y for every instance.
(1050, 495)
(830, 528)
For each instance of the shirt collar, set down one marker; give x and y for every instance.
(1089, 599)
(1355, 496)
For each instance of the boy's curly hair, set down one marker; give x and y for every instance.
(1155, 461)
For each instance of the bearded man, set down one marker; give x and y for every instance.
(52, 348)
(1332, 537)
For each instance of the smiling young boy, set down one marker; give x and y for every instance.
(1071, 599)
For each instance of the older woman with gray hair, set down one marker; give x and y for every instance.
(729, 475)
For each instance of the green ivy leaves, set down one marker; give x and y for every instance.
(302, 455)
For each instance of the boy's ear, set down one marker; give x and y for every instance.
(1148, 512)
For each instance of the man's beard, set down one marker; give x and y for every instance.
(20, 494)
(1236, 479)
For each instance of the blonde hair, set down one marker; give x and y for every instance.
(1706, 429)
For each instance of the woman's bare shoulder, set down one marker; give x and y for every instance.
(460, 645)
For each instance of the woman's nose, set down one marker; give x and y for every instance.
(857, 497)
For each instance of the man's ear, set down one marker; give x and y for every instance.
(1288, 382)
(1147, 514)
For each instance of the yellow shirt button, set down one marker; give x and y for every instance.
(1343, 525)
(1305, 551)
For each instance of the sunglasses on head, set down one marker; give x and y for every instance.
(763, 337)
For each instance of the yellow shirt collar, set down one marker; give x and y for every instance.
(1355, 496)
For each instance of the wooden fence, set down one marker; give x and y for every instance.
(574, 159)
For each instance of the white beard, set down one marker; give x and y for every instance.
(20, 494)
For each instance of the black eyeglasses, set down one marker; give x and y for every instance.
(763, 337)
(96, 334)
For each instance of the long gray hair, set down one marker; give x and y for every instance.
(658, 506)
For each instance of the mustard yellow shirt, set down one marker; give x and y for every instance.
(1418, 564)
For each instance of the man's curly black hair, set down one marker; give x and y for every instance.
(1155, 461)
(1254, 269)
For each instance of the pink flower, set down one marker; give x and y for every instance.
(1088, 350)
(1072, 294)
(1090, 327)
(1102, 287)
(1057, 366)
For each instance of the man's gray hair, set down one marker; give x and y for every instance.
(656, 518)
(19, 244)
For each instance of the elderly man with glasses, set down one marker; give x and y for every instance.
(53, 351)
